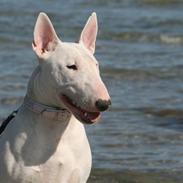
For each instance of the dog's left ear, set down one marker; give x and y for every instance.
(45, 37)
(89, 33)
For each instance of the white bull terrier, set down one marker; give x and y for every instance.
(46, 141)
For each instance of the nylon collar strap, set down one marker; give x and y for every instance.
(53, 113)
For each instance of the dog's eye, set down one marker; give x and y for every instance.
(73, 67)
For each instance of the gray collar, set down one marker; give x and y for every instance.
(54, 113)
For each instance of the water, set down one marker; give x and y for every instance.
(140, 50)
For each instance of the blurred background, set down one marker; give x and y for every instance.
(140, 51)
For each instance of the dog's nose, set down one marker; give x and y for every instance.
(102, 105)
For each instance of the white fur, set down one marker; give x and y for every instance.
(34, 149)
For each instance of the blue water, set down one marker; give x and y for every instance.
(140, 51)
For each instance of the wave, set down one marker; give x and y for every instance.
(144, 74)
(173, 113)
(160, 2)
(10, 100)
(150, 37)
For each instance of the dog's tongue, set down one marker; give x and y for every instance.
(91, 116)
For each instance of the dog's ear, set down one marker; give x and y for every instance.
(45, 37)
(89, 33)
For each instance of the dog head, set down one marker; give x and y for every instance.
(69, 71)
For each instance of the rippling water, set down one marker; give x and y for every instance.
(140, 50)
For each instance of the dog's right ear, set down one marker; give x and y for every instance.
(45, 37)
(89, 33)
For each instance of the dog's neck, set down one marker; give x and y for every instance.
(37, 100)
(38, 91)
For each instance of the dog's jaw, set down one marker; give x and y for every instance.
(83, 115)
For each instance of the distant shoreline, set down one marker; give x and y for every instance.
(110, 176)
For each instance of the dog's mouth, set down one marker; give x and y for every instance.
(82, 115)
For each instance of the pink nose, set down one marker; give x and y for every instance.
(102, 105)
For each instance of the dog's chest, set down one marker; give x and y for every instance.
(38, 158)
(57, 169)
(65, 165)
(53, 171)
